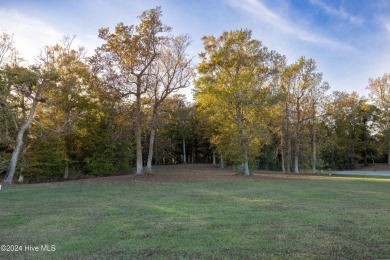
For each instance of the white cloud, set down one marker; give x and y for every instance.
(387, 26)
(30, 35)
(337, 12)
(261, 12)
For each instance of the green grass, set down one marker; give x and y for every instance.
(325, 218)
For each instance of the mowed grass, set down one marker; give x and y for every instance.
(305, 218)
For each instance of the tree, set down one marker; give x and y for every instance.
(67, 101)
(176, 130)
(317, 102)
(8, 53)
(7, 115)
(304, 83)
(232, 85)
(29, 84)
(125, 58)
(350, 120)
(171, 71)
(380, 96)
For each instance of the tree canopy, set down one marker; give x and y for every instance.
(70, 115)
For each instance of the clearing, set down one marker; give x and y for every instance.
(197, 211)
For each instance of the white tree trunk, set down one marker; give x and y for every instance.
(21, 178)
(296, 162)
(66, 166)
(222, 163)
(19, 140)
(66, 171)
(245, 168)
(214, 160)
(138, 134)
(21, 173)
(153, 130)
(314, 161)
(150, 154)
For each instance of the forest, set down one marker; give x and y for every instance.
(119, 110)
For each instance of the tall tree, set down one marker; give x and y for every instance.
(304, 79)
(171, 71)
(380, 95)
(7, 115)
(28, 84)
(7, 49)
(233, 83)
(348, 116)
(125, 59)
(316, 105)
(66, 102)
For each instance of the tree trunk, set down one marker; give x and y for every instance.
(245, 165)
(282, 150)
(19, 140)
(214, 160)
(388, 140)
(184, 151)
(155, 149)
(150, 154)
(222, 163)
(66, 171)
(288, 141)
(296, 160)
(289, 154)
(288, 134)
(21, 178)
(297, 138)
(314, 160)
(138, 134)
(193, 152)
(67, 157)
(24, 162)
(296, 151)
(151, 141)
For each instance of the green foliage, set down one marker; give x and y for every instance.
(109, 159)
(268, 158)
(351, 123)
(3, 161)
(233, 92)
(250, 106)
(44, 160)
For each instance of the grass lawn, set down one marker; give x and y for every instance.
(266, 218)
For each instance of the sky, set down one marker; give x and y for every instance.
(348, 39)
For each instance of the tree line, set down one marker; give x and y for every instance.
(69, 114)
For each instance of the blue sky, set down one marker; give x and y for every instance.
(349, 39)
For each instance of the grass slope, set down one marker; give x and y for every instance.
(228, 218)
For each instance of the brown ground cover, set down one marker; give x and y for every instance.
(198, 172)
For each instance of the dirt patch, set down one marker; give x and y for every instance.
(197, 172)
